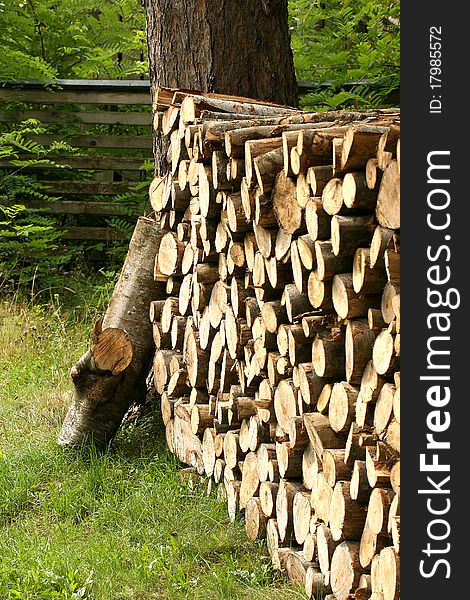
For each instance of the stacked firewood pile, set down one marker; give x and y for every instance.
(278, 344)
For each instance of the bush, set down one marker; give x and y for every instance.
(340, 41)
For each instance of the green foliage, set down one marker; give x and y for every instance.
(28, 236)
(338, 41)
(32, 253)
(50, 39)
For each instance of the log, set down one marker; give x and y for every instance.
(296, 567)
(273, 542)
(373, 174)
(381, 240)
(384, 408)
(355, 444)
(310, 467)
(298, 436)
(187, 446)
(371, 383)
(232, 450)
(345, 569)
(236, 217)
(306, 249)
(317, 220)
(384, 357)
(170, 254)
(301, 515)
(161, 368)
(324, 398)
(299, 349)
(367, 280)
(377, 511)
(388, 199)
(284, 502)
(395, 477)
(283, 244)
(255, 520)
(375, 579)
(321, 434)
(102, 398)
(288, 213)
(289, 459)
(296, 303)
(392, 267)
(332, 197)
(351, 232)
(273, 315)
(266, 167)
(318, 177)
(319, 292)
(302, 189)
(375, 319)
(334, 466)
(267, 496)
(392, 435)
(378, 471)
(356, 194)
(201, 419)
(315, 585)
(328, 264)
(390, 573)
(360, 143)
(358, 349)
(390, 291)
(341, 406)
(250, 479)
(370, 544)
(233, 499)
(347, 517)
(394, 511)
(196, 360)
(297, 267)
(312, 324)
(285, 403)
(328, 354)
(208, 451)
(170, 310)
(311, 386)
(325, 547)
(360, 489)
(265, 240)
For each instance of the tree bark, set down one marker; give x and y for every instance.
(190, 44)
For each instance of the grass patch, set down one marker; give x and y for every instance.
(113, 526)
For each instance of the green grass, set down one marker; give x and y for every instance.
(112, 526)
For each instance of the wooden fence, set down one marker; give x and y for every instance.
(108, 124)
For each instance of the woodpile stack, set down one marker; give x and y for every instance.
(278, 344)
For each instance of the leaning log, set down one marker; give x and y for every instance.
(111, 375)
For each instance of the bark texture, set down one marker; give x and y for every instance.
(229, 47)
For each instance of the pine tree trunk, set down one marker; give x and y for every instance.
(236, 47)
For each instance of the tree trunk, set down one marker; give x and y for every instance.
(103, 389)
(232, 48)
